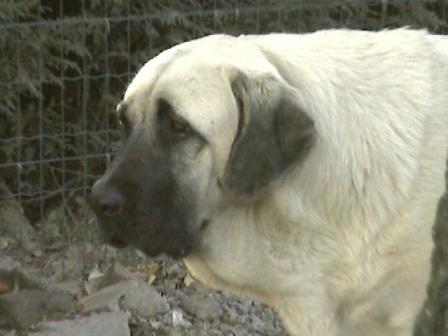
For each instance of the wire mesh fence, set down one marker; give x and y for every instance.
(65, 65)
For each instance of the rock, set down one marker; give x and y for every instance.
(14, 277)
(116, 273)
(49, 227)
(6, 242)
(64, 268)
(24, 308)
(8, 264)
(176, 270)
(104, 324)
(32, 246)
(198, 332)
(14, 224)
(91, 286)
(164, 331)
(130, 294)
(178, 319)
(201, 305)
(145, 300)
(105, 299)
(85, 253)
(71, 287)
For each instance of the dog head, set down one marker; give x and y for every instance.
(202, 129)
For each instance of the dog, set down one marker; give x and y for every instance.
(303, 170)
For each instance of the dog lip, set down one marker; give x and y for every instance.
(117, 242)
(204, 224)
(177, 254)
(172, 252)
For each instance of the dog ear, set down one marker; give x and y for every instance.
(273, 133)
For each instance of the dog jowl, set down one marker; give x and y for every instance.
(302, 170)
(138, 201)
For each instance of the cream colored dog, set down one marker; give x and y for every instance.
(302, 170)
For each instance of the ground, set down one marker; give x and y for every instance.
(70, 288)
(51, 286)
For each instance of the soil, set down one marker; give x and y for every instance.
(157, 295)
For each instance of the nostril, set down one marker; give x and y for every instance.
(106, 200)
(110, 209)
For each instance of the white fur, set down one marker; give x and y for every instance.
(341, 245)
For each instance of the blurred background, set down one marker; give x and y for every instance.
(66, 63)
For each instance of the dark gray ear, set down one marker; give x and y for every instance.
(273, 134)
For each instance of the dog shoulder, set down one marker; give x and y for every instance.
(370, 102)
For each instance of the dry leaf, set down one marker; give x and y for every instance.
(151, 279)
(148, 269)
(188, 280)
(95, 274)
(4, 288)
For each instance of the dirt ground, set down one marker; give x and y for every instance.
(49, 286)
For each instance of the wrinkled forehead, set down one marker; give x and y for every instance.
(202, 95)
(197, 90)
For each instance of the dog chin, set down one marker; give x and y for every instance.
(174, 254)
(117, 243)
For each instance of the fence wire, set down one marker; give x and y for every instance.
(65, 64)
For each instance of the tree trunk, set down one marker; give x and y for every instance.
(432, 320)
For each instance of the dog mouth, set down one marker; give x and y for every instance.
(151, 249)
(117, 242)
(176, 244)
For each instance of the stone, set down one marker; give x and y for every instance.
(144, 300)
(126, 295)
(49, 227)
(71, 287)
(8, 264)
(14, 277)
(85, 253)
(22, 309)
(115, 273)
(63, 267)
(6, 243)
(32, 246)
(14, 224)
(201, 305)
(178, 319)
(104, 324)
(8, 332)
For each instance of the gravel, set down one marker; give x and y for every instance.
(89, 289)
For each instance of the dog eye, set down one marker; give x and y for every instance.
(172, 122)
(179, 126)
(125, 124)
(123, 118)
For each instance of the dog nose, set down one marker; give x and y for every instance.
(106, 200)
